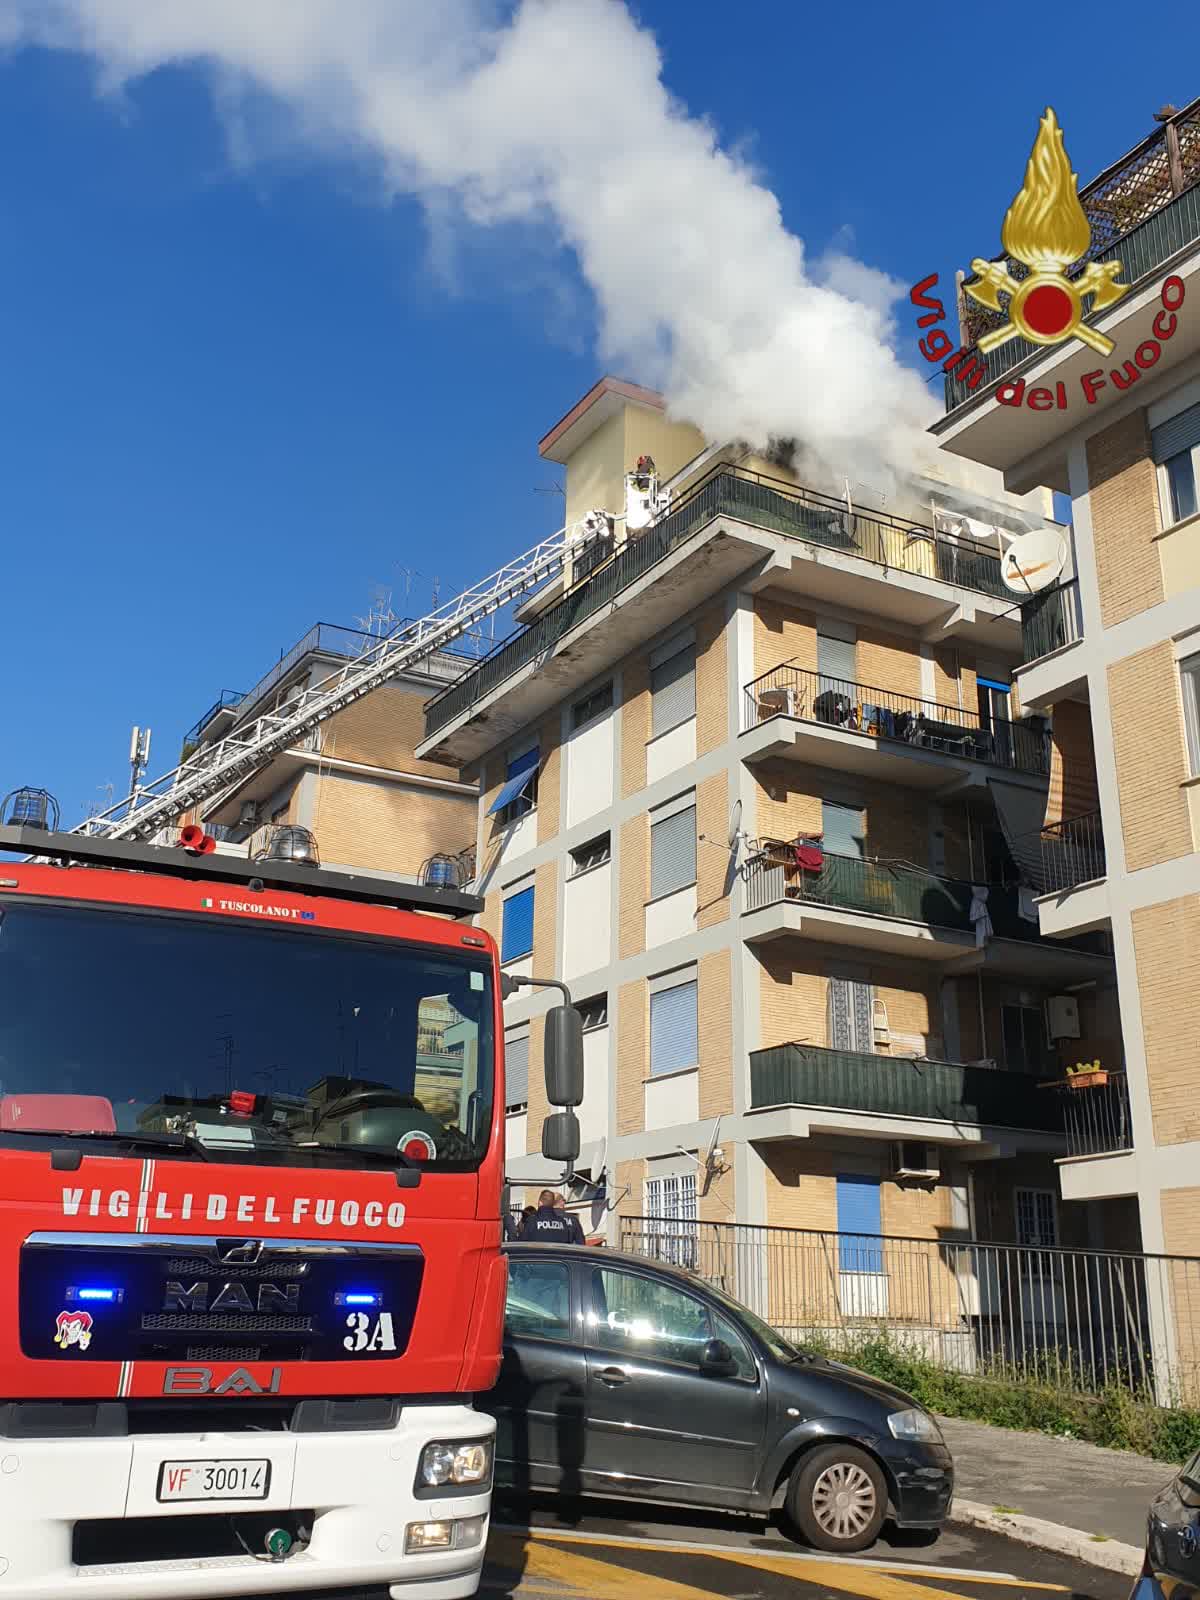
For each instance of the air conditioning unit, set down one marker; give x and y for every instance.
(1062, 1016)
(913, 1159)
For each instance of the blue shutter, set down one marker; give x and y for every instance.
(519, 777)
(674, 1034)
(858, 1213)
(843, 829)
(516, 937)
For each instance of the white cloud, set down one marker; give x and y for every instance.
(556, 115)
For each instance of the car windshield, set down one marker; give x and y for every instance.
(241, 1041)
(782, 1349)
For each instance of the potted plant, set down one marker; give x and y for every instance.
(1087, 1075)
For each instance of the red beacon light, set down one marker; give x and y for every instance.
(242, 1102)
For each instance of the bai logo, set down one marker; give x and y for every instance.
(73, 1328)
(1045, 230)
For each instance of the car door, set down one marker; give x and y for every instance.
(658, 1426)
(538, 1400)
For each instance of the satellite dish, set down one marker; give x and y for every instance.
(735, 825)
(1033, 561)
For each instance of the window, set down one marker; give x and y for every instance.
(851, 1016)
(670, 1205)
(1037, 1217)
(592, 854)
(633, 1315)
(539, 1300)
(516, 935)
(843, 828)
(859, 1223)
(518, 793)
(594, 1011)
(674, 1030)
(1175, 447)
(592, 705)
(1189, 674)
(516, 1072)
(673, 691)
(673, 853)
(724, 1329)
(1024, 1036)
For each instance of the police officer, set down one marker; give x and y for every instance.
(572, 1221)
(548, 1225)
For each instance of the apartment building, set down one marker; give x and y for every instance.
(354, 782)
(1112, 654)
(749, 778)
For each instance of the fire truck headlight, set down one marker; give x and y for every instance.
(455, 1462)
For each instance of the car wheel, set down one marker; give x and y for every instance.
(837, 1498)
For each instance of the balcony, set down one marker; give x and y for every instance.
(899, 910)
(898, 1086)
(1073, 875)
(920, 569)
(852, 727)
(1099, 1129)
(221, 712)
(1143, 210)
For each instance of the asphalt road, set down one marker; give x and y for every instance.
(604, 1555)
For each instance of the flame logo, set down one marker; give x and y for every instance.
(1046, 228)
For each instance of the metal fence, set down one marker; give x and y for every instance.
(1051, 620)
(1075, 1320)
(898, 718)
(1073, 852)
(1096, 1113)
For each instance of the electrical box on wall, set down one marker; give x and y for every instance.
(1062, 1016)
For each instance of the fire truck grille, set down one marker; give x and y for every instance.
(198, 1268)
(194, 1322)
(224, 1352)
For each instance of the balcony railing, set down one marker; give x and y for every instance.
(1143, 210)
(879, 888)
(1050, 620)
(895, 718)
(226, 701)
(1095, 1111)
(751, 497)
(898, 1086)
(1072, 853)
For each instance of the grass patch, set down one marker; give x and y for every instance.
(1115, 1417)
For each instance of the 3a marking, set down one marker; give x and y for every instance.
(369, 1334)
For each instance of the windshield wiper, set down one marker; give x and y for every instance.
(385, 1154)
(184, 1143)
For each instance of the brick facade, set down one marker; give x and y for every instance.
(716, 1034)
(712, 681)
(1150, 757)
(715, 864)
(631, 1057)
(635, 885)
(1124, 504)
(635, 724)
(1166, 939)
(391, 827)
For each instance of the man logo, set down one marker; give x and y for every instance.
(199, 1380)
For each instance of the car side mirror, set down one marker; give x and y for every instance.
(560, 1137)
(717, 1359)
(564, 1056)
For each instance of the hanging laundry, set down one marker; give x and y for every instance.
(980, 919)
(1026, 904)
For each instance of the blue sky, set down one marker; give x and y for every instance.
(235, 399)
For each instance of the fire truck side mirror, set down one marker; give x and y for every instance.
(564, 1056)
(560, 1137)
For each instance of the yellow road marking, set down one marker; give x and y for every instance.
(600, 1580)
(787, 1562)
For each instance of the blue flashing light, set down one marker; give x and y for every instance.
(361, 1299)
(96, 1294)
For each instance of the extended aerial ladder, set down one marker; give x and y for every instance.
(216, 769)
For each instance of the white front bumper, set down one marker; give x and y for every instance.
(359, 1485)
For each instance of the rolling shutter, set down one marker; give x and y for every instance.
(674, 1034)
(516, 1072)
(673, 691)
(835, 660)
(843, 829)
(673, 853)
(516, 938)
(858, 1214)
(1177, 434)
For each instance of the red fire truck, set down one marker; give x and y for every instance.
(251, 1170)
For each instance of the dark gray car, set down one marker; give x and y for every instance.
(1172, 1566)
(630, 1378)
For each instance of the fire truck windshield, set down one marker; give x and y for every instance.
(240, 1041)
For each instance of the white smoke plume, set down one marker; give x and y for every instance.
(555, 113)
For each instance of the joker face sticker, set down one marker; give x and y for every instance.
(73, 1327)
